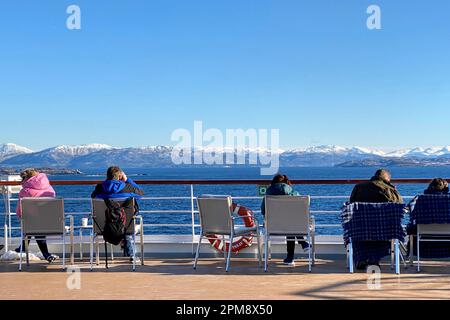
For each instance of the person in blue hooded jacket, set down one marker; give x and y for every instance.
(118, 185)
(281, 186)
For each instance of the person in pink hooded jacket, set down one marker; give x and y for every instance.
(36, 185)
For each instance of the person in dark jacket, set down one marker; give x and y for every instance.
(378, 190)
(281, 186)
(437, 186)
(118, 185)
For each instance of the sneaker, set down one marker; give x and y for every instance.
(306, 248)
(289, 261)
(51, 258)
(1, 246)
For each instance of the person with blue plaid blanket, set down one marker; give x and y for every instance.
(378, 190)
(431, 207)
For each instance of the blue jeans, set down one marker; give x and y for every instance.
(128, 245)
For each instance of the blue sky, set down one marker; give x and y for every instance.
(137, 70)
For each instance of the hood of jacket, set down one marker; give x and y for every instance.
(279, 189)
(113, 186)
(38, 182)
(381, 182)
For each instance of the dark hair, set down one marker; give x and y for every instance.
(437, 185)
(113, 173)
(280, 178)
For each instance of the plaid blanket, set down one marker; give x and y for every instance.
(370, 250)
(429, 209)
(372, 226)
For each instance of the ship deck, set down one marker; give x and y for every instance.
(174, 279)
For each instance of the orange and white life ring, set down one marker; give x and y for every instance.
(243, 242)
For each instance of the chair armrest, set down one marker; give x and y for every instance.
(313, 223)
(138, 223)
(71, 223)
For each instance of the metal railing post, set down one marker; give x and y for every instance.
(192, 216)
(5, 226)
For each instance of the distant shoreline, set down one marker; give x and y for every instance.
(49, 171)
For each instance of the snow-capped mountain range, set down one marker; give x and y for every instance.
(93, 156)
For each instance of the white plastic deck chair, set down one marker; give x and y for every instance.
(43, 217)
(98, 209)
(288, 216)
(217, 218)
(440, 232)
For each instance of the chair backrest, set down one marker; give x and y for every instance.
(373, 221)
(215, 214)
(99, 214)
(42, 216)
(287, 215)
(431, 212)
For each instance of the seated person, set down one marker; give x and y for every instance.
(281, 186)
(378, 190)
(118, 185)
(35, 184)
(430, 249)
(437, 186)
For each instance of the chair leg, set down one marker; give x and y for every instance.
(392, 254)
(81, 243)
(411, 249)
(112, 252)
(309, 254)
(64, 252)
(91, 245)
(313, 248)
(350, 254)
(142, 243)
(27, 251)
(198, 251)
(97, 252)
(134, 252)
(418, 252)
(270, 250)
(224, 249)
(230, 248)
(21, 250)
(266, 253)
(397, 257)
(72, 246)
(258, 238)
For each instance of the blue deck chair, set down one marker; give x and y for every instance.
(429, 224)
(365, 222)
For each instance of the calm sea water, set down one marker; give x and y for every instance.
(235, 190)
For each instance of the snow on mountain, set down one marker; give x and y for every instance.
(421, 152)
(78, 150)
(100, 155)
(9, 150)
(59, 156)
(155, 156)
